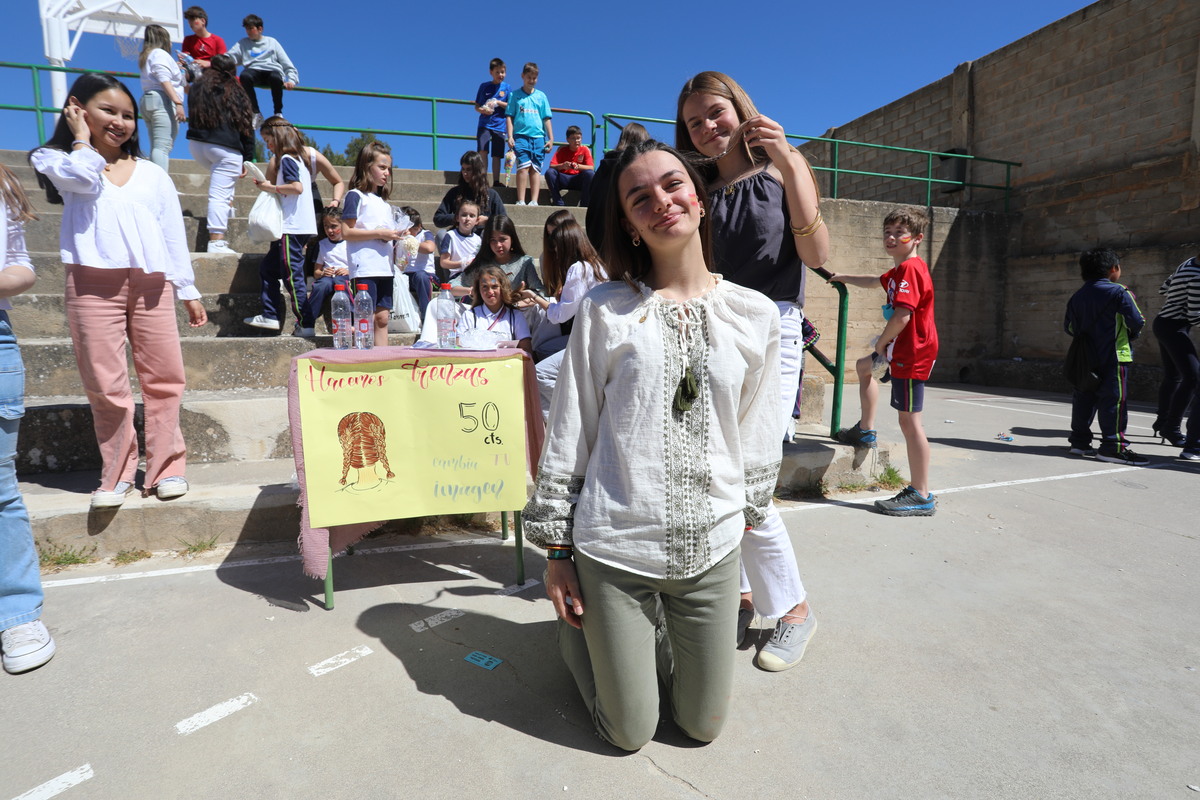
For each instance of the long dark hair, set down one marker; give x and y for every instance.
(565, 245)
(477, 188)
(217, 98)
(622, 260)
(288, 141)
(500, 223)
(86, 87)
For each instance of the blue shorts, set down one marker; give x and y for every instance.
(380, 290)
(490, 140)
(530, 152)
(908, 394)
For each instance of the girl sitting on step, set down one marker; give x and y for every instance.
(126, 256)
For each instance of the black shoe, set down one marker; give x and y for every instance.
(1175, 438)
(856, 436)
(1121, 455)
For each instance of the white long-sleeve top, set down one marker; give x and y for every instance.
(135, 226)
(12, 245)
(625, 476)
(161, 68)
(581, 279)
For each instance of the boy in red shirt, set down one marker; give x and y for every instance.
(571, 168)
(908, 347)
(200, 45)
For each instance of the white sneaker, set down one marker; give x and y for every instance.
(257, 121)
(259, 321)
(532, 203)
(175, 486)
(26, 646)
(306, 333)
(520, 202)
(113, 499)
(221, 246)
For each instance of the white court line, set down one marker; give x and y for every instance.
(340, 660)
(1039, 413)
(998, 484)
(517, 587)
(255, 562)
(56, 786)
(437, 619)
(217, 712)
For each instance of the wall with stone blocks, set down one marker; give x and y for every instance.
(1101, 109)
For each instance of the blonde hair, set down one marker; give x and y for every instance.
(155, 38)
(16, 202)
(364, 442)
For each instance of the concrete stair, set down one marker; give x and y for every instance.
(234, 413)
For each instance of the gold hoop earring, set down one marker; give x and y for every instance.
(637, 240)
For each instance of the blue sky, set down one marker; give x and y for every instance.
(812, 69)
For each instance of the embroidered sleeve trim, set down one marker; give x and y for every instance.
(760, 488)
(549, 516)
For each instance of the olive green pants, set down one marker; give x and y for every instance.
(624, 648)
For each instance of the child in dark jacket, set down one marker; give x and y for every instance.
(1106, 313)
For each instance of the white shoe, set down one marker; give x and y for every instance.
(257, 121)
(306, 333)
(113, 499)
(520, 202)
(175, 486)
(221, 246)
(532, 203)
(26, 646)
(259, 321)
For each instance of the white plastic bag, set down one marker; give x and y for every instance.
(406, 317)
(265, 224)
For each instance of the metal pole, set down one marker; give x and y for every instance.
(329, 582)
(833, 181)
(37, 101)
(520, 547)
(839, 377)
(433, 106)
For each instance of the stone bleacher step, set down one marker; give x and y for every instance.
(234, 425)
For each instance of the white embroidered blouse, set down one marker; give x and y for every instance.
(628, 478)
(135, 226)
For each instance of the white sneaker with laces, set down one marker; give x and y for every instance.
(221, 247)
(26, 646)
(174, 486)
(259, 321)
(306, 333)
(113, 499)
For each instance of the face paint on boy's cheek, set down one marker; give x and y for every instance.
(905, 239)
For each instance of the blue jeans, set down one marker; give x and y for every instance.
(20, 581)
(159, 114)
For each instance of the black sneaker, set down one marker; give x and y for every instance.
(909, 503)
(856, 436)
(1121, 455)
(1086, 452)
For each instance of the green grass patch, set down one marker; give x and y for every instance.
(130, 556)
(891, 478)
(53, 556)
(199, 546)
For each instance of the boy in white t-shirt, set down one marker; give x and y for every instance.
(460, 244)
(332, 266)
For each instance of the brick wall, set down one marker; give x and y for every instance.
(1101, 109)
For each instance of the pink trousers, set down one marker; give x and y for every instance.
(106, 308)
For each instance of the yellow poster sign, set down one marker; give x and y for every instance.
(411, 438)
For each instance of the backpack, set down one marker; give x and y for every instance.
(1077, 368)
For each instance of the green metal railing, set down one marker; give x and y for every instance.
(435, 136)
(835, 169)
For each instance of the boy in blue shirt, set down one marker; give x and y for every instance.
(491, 101)
(1106, 314)
(529, 133)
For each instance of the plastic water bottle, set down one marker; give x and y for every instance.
(445, 311)
(343, 318)
(364, 318)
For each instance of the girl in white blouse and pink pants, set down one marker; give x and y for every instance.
(123, 243)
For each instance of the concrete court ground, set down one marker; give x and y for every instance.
(1035, 639)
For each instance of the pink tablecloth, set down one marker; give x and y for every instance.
(315, 543)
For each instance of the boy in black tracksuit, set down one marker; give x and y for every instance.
(1106, 313)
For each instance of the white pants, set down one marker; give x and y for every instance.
(769, 567)
(225, 166)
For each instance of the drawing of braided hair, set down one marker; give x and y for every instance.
(364, 442)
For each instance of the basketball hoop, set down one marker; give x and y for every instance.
(130, 47)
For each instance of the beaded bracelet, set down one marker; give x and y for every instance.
(85, 144)
(811, 228)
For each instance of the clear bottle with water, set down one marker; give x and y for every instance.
(342, 313)
(364, 318)
(445, 311)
